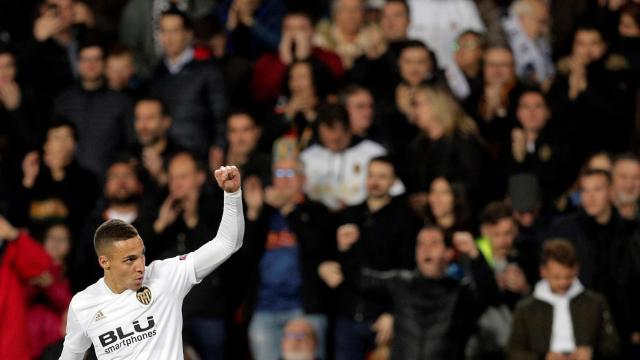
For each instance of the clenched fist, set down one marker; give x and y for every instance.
(228, 178)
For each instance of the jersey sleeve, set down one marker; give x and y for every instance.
(76, 342)
(178, 273)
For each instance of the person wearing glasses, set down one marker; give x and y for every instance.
(287, 237)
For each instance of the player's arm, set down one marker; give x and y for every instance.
(76, 342)
(229, 237)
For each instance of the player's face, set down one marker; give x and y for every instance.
(126, 262)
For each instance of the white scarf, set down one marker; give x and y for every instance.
(562, 337)
(532, 56)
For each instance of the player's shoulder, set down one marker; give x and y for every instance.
(158, 268)
(84, 302)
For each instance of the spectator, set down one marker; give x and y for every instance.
(539, 148)
(493, 105)
(121, 73)
(23, 260)
(432, 310)
(625, 185)
(338, 186)
(192, 90)
(379, 73)
(21, 126)
(287, 236)
(186, 220)
(591, 86)
(347, 35)
(360, 104)
(299, 340)
(50, 296)
(54, 186)
(562, 319)
(448, 145)
(438, 24)
(253, 25)
(122, 197)
(527, 30)
(270, 69)
(139, 24)
(447, 206)
(629, 31)
(465, 75)
(102, 116)
(378, 234)
(155, 146)
(243, 135)
(602, 242)
(296, 114)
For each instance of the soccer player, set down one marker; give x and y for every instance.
(135, 311)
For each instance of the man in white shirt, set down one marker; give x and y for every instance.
(134, 311)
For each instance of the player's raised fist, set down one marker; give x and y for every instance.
(228, 178)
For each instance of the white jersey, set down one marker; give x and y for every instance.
(147, 324)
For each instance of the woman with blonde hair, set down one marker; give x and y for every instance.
(448, 145)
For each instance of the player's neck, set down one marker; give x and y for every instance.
(112, 285)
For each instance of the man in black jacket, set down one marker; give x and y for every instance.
(286, 238)
(193, 90)
(432, 311)
(604, 245)
(378, 234)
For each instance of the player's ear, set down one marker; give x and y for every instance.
(104, 262)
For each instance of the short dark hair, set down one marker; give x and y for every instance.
(333, 115)
(448, 242)
(628, 156)
(149, 98)
(118, 49)
(560, 251)
(302, 13)
(350, 90)
(197, 160)
(111, 231)
(385, 159)
(241, 112)
(482, 38)
(59, 122)
(596, 172)
(401, 2)
(173, 10)
(494, 212)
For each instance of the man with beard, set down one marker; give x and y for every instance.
(122, 197)
(154, 147)
(625, 186)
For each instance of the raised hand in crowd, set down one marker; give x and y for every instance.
(373, 42)
(465, 244)
(48, 24)
(513, 279)
(383, 326)
(168, 214)
(293, 46)
(347, 236)
(10, 95)
(30, 169)
(7, 231)
(518, 144)
(253, 197)
(331, 273)
(577, 76)
(154, 164)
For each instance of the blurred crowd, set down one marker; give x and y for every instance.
(422, 179)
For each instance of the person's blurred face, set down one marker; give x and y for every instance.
(7, 68)
(57, 242)
(298, 341)
(440, 198)
(119, 71)
(625, 184)
(595, 195)
(126, 262)
(498, 66)
(628, 27)
(185, 179)
(60, 141)
(288, 178)
(63, 10)
(360, 108)
(242, 134)
(394, 21)
(174, 37)
(536, 22)
(151, 126)
(335, 138)
(532, 111)
(501, 235)
(415, 65)
(432, 256)
(301, 79)
(588, 46)
(425, 117)
(380, 179)
(559, 276)
(122, 185)
(468, 51)
(297, 26)
(349, 15)
(91, 63)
